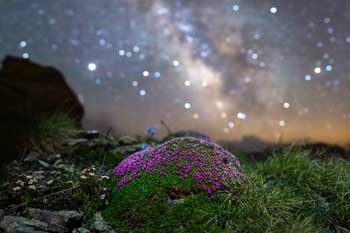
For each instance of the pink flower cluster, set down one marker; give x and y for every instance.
(212, 167)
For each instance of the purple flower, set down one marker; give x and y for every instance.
(151, 131)
(209, 165)
(103, 196)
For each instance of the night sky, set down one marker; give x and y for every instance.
(278, 70)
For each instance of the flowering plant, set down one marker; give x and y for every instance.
(151, 131)
(210, 166)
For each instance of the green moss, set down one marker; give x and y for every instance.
(288, 193)
(144, 205)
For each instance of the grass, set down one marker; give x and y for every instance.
(18, 135)
(324, 185)
(52, 132)
(86, 197)
(290, 192)
(100, 156)
(184, 133)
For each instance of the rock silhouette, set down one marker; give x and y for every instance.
(35, 90)
(30, 92)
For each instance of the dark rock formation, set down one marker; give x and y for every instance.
(28, 93)
(31, 90)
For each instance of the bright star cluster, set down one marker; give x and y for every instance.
(276, 70)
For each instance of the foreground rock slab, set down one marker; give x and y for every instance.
(11, 224)
(37, 220)
(64, 218)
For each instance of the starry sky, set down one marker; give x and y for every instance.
(275, 69)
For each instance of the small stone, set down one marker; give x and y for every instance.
(49, 182)
(127, 140)
(127, 149)
(69, 168)
(74, 142)
(99, 223)
(39, 177)
(44, 164)
(32, 156)
(89, 134)
(38, 173)
(2, 215)
(54, 157)
(171, 203)
(81, 230)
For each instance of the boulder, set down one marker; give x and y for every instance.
(30, 92)
(33, 91)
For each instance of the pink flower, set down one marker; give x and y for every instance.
(219, 170)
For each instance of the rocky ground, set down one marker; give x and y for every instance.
(70, 190)
(63, 192)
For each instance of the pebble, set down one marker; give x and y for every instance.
(32, 156)
(2, 214)
(44, 164)
(49, 182)
(81, 230)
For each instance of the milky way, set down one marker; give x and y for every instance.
(278, 70)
